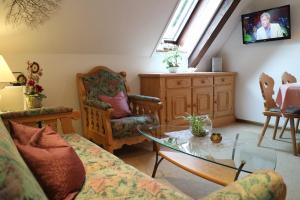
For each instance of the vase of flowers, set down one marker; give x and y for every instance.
(200, 125)
(172, 59)
(34, 95)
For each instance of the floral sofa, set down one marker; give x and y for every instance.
(108, 177)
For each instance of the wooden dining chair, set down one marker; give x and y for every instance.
(266, 84)
(285, 79)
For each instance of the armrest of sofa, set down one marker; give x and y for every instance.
(143, 98)
(257, 186)
(44, 116)
(98, 104)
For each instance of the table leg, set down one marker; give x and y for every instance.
(157, 162)
(297, 125)
(239, 170)
(293, 135)
(276, 127)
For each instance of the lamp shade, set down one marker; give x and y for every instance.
(6, 75)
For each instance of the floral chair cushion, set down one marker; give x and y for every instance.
(103, 83)
(126, 126)
(108, 177)
(16, 180)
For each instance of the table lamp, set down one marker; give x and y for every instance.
(6, 75)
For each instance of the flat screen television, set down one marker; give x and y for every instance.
(267, 25)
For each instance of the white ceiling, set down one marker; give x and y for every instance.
(131, 27)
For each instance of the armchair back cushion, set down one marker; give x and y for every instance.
(103, 82)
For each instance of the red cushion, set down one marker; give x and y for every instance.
(119, 104)
(54, 163)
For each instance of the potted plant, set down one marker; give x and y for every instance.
(172, 59)
(34, 95)
(200, 125)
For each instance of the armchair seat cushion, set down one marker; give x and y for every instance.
(126, 126)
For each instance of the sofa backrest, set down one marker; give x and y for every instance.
(16, 180)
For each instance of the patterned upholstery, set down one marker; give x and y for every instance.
(262, 185)
(107, 177)
(103, 83)
(16, 180)
(98, 104)
(126, 126)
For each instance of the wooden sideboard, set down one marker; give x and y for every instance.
(199, 93)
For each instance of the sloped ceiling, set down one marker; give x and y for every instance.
(131, 27)
(234, 21)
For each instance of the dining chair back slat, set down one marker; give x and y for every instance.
(266, 84)
(288, 78)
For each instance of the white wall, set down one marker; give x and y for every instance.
(60, 71)
(251, 60)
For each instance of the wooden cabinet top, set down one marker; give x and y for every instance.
(190, 74)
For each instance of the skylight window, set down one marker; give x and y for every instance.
(179, 19)
(189, 23)
(201, 20)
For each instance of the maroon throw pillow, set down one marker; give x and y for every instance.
(53, 162)
(24, 133)
(119, 104)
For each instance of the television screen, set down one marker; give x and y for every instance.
(267, 25)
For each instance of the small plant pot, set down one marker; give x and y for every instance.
(172, 69)
(197, 133)
(33, 102)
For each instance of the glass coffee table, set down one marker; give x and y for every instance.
(221, 163)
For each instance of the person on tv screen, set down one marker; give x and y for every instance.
(268, 30)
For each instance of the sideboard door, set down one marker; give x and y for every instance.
(178, 104)
(203, 101)
(223, 101)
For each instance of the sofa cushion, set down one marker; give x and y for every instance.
(107, 177)
(16, 180)
(119, 104)
(54, 163)
(126, 126)
(261, 185)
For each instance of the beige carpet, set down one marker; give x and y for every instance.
(142, 157)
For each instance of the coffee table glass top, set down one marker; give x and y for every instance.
(236, 151)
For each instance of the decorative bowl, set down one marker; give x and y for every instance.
(216, 137)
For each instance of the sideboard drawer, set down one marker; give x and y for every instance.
(223, 80)
(178, 82)
(203, 81)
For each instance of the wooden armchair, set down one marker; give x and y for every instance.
(97, 122)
